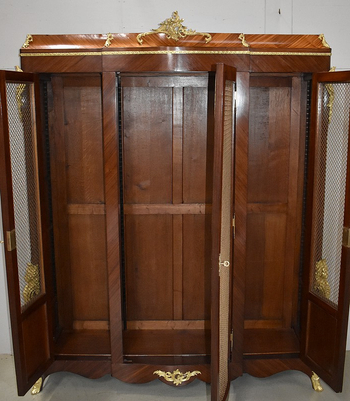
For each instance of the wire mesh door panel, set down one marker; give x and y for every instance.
(25, 226)
(22, 140)
(329, 188)
(325, 304)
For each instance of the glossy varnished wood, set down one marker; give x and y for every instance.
(144, 372)
(269, 367)
(89, 42)
(83, 53)
(93, 368)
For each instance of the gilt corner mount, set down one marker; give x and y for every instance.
(174, 29)
(29, 39)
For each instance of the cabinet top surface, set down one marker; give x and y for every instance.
(144, 42)
(160, 51)
(174, 47)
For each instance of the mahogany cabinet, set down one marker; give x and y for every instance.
(180, 207)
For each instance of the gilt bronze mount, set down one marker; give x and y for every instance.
(176, 377)
(173, 29)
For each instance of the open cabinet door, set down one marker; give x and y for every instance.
(26, 241)
(222, 218)
(326, 286)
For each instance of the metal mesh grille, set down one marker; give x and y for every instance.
(25, 188)
(330, 180)
(225, 245)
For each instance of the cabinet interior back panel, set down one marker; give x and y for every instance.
(148, 253)
(147, 127)
(197, 147)
(269, 139)
(78, 201)
(271, 190)
(265, 267)
(83, 141)
(196, 263)
(167, 183)
(88, 264)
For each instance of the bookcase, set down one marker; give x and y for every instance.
(176, 207)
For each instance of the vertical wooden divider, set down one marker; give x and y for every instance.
(112, 191)
(295, 193)
(177, 199)
(59, 203)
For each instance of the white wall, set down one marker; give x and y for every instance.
(18, 18)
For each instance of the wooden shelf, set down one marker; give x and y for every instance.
(259, 342)
(83, 343)
(166, 343)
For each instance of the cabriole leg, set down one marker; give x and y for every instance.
(315, 380)
(37, 386)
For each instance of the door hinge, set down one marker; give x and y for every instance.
(11, 240)
(346, 237)
(234, 226)
(231, 342)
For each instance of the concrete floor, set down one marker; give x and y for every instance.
(286, 386)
